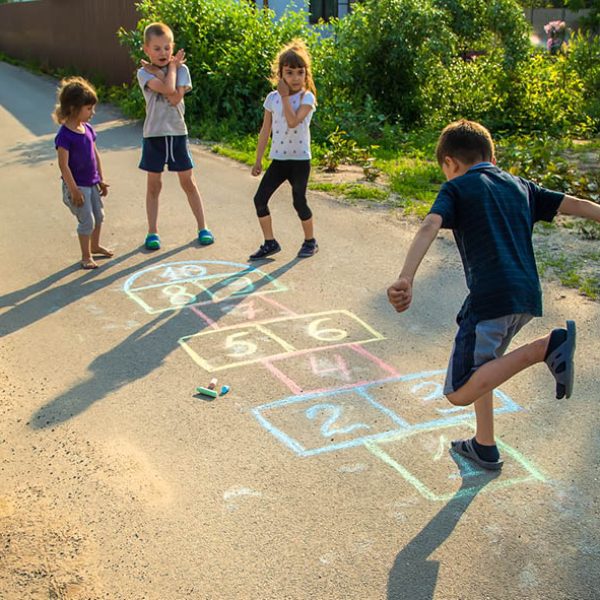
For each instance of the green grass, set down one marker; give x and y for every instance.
(571, 270)
(353, 191)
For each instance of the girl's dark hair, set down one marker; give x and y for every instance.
(73, 94)
(467, 141)
(296, 56)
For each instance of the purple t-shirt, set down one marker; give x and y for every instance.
(82, 159)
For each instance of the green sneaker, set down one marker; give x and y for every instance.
(152, 242)
(205, 237)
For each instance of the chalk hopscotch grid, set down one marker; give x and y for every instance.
(226, 277)
(533, 474)
(508, 406)
(289, 349)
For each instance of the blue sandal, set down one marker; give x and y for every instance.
(561, 364)
(152, 242)
(205, 237)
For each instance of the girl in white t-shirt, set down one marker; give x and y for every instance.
(288, 111)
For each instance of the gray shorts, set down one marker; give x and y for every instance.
(479, 342)
(91, 213)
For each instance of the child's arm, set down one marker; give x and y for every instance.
(168, 85)
(400, 292)
(263, 140)
(150, 68)
(165, 86)
(293, 118)
(102, 184)
(65, 171)
(177, 97)
(580, 208)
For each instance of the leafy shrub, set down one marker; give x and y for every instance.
(230, 47)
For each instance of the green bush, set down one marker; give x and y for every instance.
(229, 47)
(386, 69)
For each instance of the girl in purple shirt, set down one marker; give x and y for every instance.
(80, 166)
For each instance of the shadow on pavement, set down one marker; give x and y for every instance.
(38, 300)
(136, 356)
(117, 136)
(413, 575)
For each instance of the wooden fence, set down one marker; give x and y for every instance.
(78, 34)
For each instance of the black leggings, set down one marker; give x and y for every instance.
(294, 171)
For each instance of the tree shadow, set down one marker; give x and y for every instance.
(413, 575)
(137, 356)
(114, 136)
(39, 300)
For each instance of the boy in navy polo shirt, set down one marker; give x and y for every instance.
(491, 214)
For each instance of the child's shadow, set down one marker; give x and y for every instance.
(413, 575)
(136, 357)
(38, 300)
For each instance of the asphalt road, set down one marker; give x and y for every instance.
(324, 473)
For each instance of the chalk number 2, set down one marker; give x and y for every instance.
(333, 413)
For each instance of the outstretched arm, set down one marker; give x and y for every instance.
(400, 292)
(580, 208)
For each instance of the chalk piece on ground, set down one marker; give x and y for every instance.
(206, 392)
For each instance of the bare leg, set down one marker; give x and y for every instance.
(484, 414)
(188, 185)
(95, 243)
(266, 224)
(495, 372)
(307, 226)
(86, 249)
(153, 187)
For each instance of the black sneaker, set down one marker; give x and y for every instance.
(267, 249)
(309, 248)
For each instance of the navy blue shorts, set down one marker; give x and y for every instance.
(478, 342)
(170, 150)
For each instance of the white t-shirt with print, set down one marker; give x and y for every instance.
(290, 143)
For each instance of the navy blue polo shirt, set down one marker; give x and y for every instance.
(492, 213)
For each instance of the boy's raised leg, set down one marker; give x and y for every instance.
(556, 349)
(495, 372)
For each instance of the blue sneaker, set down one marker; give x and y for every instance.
(205, 237)
(152, 242)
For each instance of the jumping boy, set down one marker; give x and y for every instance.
(164, 82)
(491, 214)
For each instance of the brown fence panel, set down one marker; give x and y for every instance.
(78, 34)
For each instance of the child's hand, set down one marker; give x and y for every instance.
(77, 197)
(257, 168)
(150, 68)
(179, 58)
(283, 88)
(400, 294)
(103, 188)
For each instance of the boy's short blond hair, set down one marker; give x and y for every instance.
(156, 30)
(467, 141)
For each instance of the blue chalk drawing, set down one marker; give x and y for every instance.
(196, 282)
(335, 412)
(361, 397)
